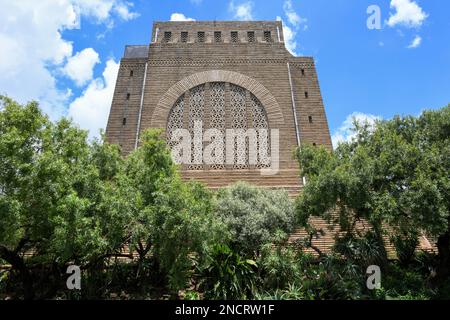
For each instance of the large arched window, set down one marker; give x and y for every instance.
(221, 106)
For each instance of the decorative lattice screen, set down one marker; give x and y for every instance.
(217, 115)
(196, 113)
(221, 106)
(260, 124)
(175, 120)
(239, 122)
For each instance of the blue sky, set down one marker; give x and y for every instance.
(65, 53)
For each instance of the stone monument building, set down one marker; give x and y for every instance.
(229, 75)
(226, 75)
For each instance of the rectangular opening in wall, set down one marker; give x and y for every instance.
(128, 96)
(303, 72)
(184, 36)
(201, 36)
(306, 94)
(131, 73)
(167, 36)
(251, 36)
(310, 119)
(267, 36)
(124, 121)
(234, 37)
(217, 36)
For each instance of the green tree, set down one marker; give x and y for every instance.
(67, 201)
(395, 176)
(172, 220)
(254, 215)
(51, 186)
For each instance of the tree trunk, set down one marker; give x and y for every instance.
(18, 264)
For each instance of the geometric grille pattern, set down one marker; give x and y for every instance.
(196, 105)
(239, 122)
(196, 113)
(175, 120)
(237, 111)
(217, 113)
(260, 124)
(238, 108)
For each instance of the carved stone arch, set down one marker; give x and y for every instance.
(168, 100)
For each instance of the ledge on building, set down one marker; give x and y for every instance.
(136, 52)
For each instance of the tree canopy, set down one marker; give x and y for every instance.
(395, 175)
(134, 226)
(64, 200)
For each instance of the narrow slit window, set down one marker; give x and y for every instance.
(310, 119)
(303, 72)
(201, 36)
(128, 96)
(184, 36)
(131, 73)
(124, 121)
(306, 95)
(167, 36)
(218, 36)
(267, 36)
(234, 37)
(251, 36)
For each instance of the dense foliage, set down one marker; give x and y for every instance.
(254, 215)
(395, 176)
(137, 230)
(65, 201)
(225, 275)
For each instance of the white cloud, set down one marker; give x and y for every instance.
(408, 13)
(243, 11)
(345, 133)
(103, 10)
(294, 19)
(90, 111)
(30, 39)
(123, 11)
(80, 67)
(415, 43)
(97, 9)
(289, 37)
(33, 48)
(180, 17)
(292, 26)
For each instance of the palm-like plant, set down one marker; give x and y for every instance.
(226, 275)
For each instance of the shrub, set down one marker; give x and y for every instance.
(405, 247)
(253, 215)
(292, 292)
(225, 275)
(280, 264)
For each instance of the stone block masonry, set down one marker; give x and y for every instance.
(221, 73)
